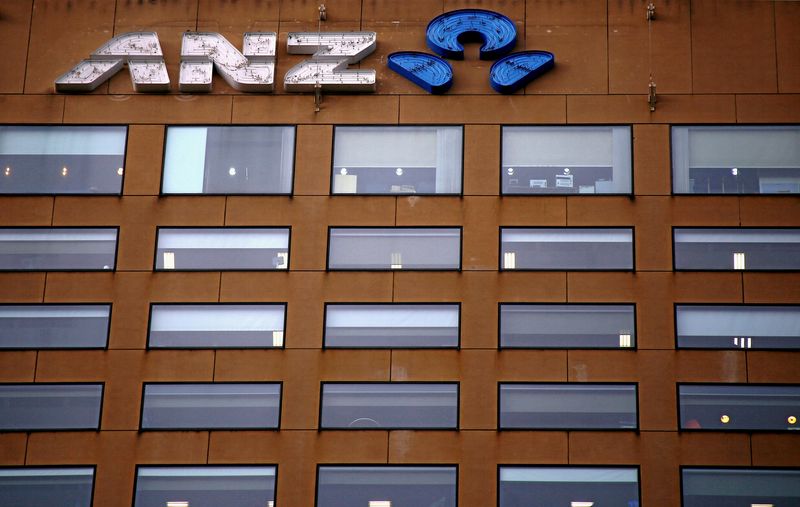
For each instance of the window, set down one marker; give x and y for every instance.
(399, 405)
(211, 406)
(736, 159)
(737, 249)
(58, 249)
(397, 160)
(409, 248)
(386, 486)
(216, 326)
(62, 159)
(751, 487)
(392, 325)
(566, 160)
(568, 406)
(54, 326)
(204, 486)
(67, 486)
(570, 326)
(229, 160)
(569, 248)
(734, 407)
(568, 486)
(737, 327)
(217, 249)
(35, 407)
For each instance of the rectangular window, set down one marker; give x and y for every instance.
(54, 326)
(62, 159)
(211, 406)
(568, 486)
(229, 160)
(737, 327)
(751, 407)
(205, 486)
(554, 406)
(392, 325)
(389, 248)
(739, 249)
(736, 159)
(42, 486)
(566, 160)
(42, 407)
(386, 486)
(57, 249)
(216, 326)
(567, 248)
(399, 405)
(748, 487)
(397, 160)
(218, 249)
(570, 326)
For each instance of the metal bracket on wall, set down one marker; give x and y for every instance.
(323, 12)
(651, 12)
(652, 98)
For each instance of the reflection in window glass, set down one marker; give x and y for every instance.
(57, 249)
(387, 486)
(39, 486)
(215, 249)
(397, 160)
(391, 326)
(739, 407)
(395, 248)
(568, 406)
(736, 159)
(45, 326)
(737, 249)
(31, 407)
(569, 248)
(704, 487)
(567, 326)
(738, 326)
(389, 406)
(61, 159)
(205, 486)
(566, 160)
(569, 486)
(216, 326)
(229, 160)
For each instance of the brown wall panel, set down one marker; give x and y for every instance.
(769, 211)
(12, 448)
(776, 367)
(651, 160)
(775, 450)
(143, 160)
(313, 159)
(22, 287)
(15, 22)
(419, 11)
(481, 159)
(143, 108)
(17, 366)
(21, 211)
(494, 109)
(294, 108)
(787, 42)
(31, 108)
(634, 109)
(771, 287)
(768, 108)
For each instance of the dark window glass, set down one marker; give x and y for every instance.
(735, 487)
(739, 407)
(54, 326)
(205, 486)
(57, 249)
(567, 326)
(737, 249)
(216, 326)
(569, 486)
(63, 486)
(31, 407)
(568, 406)
(387, 486)
(736, 159)
(395, 248)
(229, 160)
(566, 160)
(568, 248)
(738, 327)
(61, 159)
(222, 249)
(394, 325)
(389, 406)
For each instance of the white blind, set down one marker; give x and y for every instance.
(222, 238)
(738, 321)
(185, 160)
(42, 312)
(567, 236)
(559, 146)
(385, 147)
(737, 236)
(563, 474)
(775, 147)
(62, 140)
(217, 318)
(386, 317)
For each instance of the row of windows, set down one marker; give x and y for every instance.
(402, 405)
(400, 160)
(402, 485)
(401, 325)
(400, 248)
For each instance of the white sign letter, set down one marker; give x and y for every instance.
(252, 70)
(333, 52)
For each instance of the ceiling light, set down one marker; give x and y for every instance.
(232, 171)
(791, 419)
(380, 503)
(510, 171)
(725, 419)
(581, 504)
(120, 171)
(7, 172)
(735, 171)
(64, 171)
(762, 505)
(177, 503)
(399, 171)
(343, 171)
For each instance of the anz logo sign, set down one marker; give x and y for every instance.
(253, 68)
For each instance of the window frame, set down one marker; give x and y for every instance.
(93, 466)
(43, 305)
(115, 228)
(59, 429)
(726, 467)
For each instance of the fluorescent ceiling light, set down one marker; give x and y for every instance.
(380, 503)
(581, 504)
(178, 503)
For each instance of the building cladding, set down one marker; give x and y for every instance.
(470, 259)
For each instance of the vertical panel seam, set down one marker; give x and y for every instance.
(775, 42)
(28, 49)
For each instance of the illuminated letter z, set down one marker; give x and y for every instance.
(332, 53)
